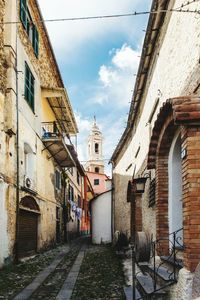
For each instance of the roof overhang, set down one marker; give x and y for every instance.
(59, 151)
(60, 105)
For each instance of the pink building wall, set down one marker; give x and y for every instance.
(102, 186)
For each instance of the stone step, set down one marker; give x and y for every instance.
(146, 284)
(168, 259)
(128, 290)
(162, 272)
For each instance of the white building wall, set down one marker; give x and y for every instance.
(175, 72)
(101, 219)
(175, 63)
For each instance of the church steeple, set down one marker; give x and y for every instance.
(95, 161)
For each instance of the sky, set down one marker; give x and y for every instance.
(98, 60)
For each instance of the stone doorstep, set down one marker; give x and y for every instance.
(128, 290)
(40, 278)
(146, 283)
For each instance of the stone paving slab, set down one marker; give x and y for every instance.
(68, 286)
(128, 290)
(34, 285)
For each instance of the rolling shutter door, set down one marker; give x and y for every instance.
(27, 243)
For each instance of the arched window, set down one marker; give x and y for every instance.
(96, 170)
(96, 147)
(29, 158)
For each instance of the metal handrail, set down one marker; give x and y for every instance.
(50, 129)
(173, 254)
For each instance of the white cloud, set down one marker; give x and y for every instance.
(84, 126)
(116, 80)
(126, 58)
(107, 75)
(68, 36)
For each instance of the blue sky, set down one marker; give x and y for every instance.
(98, 60)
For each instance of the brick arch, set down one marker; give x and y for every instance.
(184, 112)
(162, 154)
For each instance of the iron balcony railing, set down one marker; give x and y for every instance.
(50, 130)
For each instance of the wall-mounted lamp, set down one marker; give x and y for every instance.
(140, 183)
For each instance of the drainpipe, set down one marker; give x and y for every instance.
(112, 203)
(17, 149)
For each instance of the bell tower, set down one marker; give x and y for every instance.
(95, 161)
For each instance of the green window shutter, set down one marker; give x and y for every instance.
(23, 12)
(35, 40)
(29, 87)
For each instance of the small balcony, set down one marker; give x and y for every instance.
(56, 143)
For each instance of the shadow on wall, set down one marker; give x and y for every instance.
(121, 207)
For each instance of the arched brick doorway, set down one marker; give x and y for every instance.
(28, 226)
(181, 113)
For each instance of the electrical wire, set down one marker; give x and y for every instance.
(187, 3)
(177, 10)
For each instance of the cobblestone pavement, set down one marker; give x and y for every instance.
(100, 276)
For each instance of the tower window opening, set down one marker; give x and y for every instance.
(96, 170)
(96, 146)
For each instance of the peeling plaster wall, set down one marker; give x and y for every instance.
(46, 74)
(2, 52)
(3, 224)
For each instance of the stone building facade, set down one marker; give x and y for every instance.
(161, 140)
(36, 122)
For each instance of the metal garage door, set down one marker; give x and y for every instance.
(27, 242)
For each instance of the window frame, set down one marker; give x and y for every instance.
(29, 26)
(57, 179)
(96, 148)
(96, 181)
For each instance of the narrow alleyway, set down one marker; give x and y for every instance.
(78, 271)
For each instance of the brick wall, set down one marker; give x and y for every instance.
(191, 196)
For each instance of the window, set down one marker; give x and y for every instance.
(71, 193)
(29, 87)
(70, 170)
(29, 158)
(30, 28)
(78, 178)
(152, 193)
(96, 181)
(96, 146)
(96, 170)
(58, 179)
(79, 201)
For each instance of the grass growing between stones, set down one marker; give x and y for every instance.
(14, 278)
(101, 276)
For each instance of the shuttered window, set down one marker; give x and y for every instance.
(35, 41)
(152, 192)
(29, 87)
(30, 28)
(58, 179)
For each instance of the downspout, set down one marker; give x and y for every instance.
(112, 203)
(17, 150)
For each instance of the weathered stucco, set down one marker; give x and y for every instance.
(17, 51)
(2, 53)
(121, 206)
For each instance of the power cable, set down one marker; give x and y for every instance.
(177, 10)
